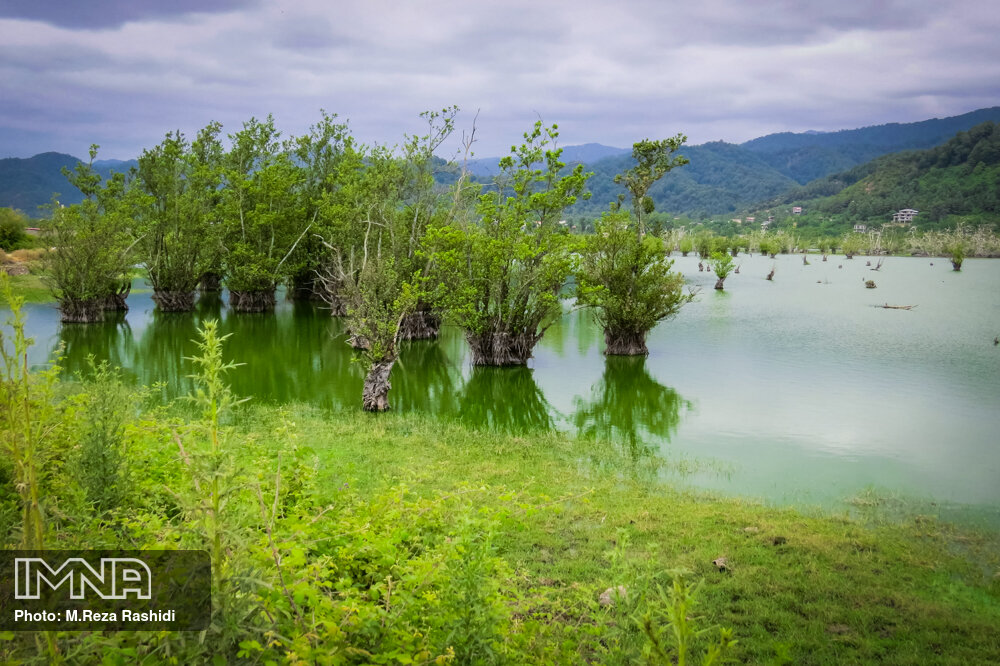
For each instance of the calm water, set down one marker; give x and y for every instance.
(793, 391)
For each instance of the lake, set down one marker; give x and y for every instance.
(796, 391)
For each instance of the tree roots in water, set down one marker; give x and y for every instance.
(502, 348)
(173, 301)
(251, 301)
(625, 343)
(421, 325)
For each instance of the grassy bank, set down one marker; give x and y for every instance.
(829, 590)
(353, 538)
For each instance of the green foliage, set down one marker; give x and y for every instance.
(653, 160)
(93, 239)
(262, 217)
(722, 264)
(12, 234)
(669, 626)
(30, 428)
(504, 274)
(178, 235)
(628, 282)
(102, 461)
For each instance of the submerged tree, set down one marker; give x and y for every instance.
(178, 234)
(262, 223)
(722, 264)
(957, 249)
(623, 273)
(629, 284)
(88, 270)
(325, 157)
(500, 279)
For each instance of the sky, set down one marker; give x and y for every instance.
(121, 73)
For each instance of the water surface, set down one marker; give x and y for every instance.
(797, 390)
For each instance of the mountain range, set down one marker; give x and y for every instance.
(720, 178)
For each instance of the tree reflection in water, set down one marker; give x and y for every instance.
(505, 400)
(425, 380)
(110, 340)
(630, 409)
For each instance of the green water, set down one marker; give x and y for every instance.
(797, 391)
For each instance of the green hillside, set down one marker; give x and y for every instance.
(807, 156)
(957, 181)
(26, 184)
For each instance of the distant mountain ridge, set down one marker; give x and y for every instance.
(27, 183)
(721, 178)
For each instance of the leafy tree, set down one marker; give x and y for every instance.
(654, 159)
(325, 157)
(88, 270)
(178, 230)
(261, 215)
(722, 264)
(629, 283)
(500, 279)
(12, 234)
(852, 244)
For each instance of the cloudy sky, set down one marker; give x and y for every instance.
(121, 73)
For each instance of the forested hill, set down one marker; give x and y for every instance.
(810, 155)
(28, 183)
(724, 178)
(960, 177)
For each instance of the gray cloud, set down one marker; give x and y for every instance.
(607, 72)
(98, 14)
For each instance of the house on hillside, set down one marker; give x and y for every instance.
(860, 228)
(751, 219)
(905, 216)
(796, 210)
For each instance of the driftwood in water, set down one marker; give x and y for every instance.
(870, 284)
(805, 261)
(770, 276)
(737, 269)
(878, 265)
(896, 307)
(701, 267)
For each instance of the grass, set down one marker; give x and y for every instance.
(826, 590)
(32, 288)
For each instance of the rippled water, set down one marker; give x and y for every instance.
(799, 390)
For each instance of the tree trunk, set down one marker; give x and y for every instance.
(173, 301)
(625, 343)
(210, 282)
(82, 312)
(251, 301)
(849, 255)
(420, 325)
(956, 265)
(718, 284)
(115, 301)
(501, 348)
(375, 393)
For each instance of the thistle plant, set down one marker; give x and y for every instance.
(212, 469)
